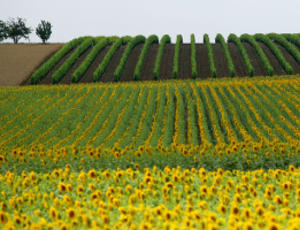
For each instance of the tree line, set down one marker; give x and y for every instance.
(16, 28)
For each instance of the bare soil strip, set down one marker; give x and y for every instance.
(147, 71)
(289, 59)
(131, 63)
(68, 78)
(185, 68)
(220, 61)
(238, 62)
(166, 69)
(278, 70)
(257, 64)
(18, 62)
(202, 61)
(109, 73)
(88, 76)
(48, 78)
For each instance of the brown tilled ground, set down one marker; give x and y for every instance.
(17, 62)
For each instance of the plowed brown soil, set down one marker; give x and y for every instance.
(127, 74)
(202, 61)
(220, 61)
(278, 70)
(257, 64)
(67, 79)
(166, 69)
(88, 76)
(238, 61)
(147, 71)
(109, 73)
(290, 59)
(185, 68)
(19, 61)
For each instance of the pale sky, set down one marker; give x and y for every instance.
(73, 18)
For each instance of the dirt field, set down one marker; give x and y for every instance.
(17, 62)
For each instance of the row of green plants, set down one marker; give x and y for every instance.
(193, 57)
(213, 71)
(276, 51)
(220, 39)
(41, 73)
(141, 61)
(81, 70)
(179, 40)
(236, 40)
(292, 49)
(164, 40)
(106, 60)
(293, 38)
(67, 65)
(132, 44)
(251, 40)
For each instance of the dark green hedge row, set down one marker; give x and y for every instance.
(193, 57)
(49, 65)
(276, 51)
(234, 39)
(140, 63)
(80, 71)
(67, 65)
(251, 40)
(294, 38)
(220, 39)
(106, 60)
(213, 71)
(286, 44)
(164, 40)
(133, 43)
(176, 56)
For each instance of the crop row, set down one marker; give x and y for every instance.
(226, 113)
(288, 41)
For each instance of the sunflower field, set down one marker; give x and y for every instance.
(178, 154)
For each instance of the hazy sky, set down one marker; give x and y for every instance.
(73, 18)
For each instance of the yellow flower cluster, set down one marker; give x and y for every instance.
(172, 198)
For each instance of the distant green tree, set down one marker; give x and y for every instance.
(44, 30)
(17, 29)
(3, 30)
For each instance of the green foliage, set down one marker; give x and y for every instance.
(213, 71)
(63, 70)
(106, 60)
(233, 38)
(3, 30)
(292, 49)
(17, 29)
(276, 51)
(251, 40)
(131, 45)
(193, 57)
(140, 63)
(126, 39)
(176, 56)
(79, 72)
(44, 31)
(294, 38)
(164, 40)
(41, 72)
(220, 39)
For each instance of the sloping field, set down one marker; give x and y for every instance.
(212, 154)
(179, 154)
(108, 59)
(18, 62)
